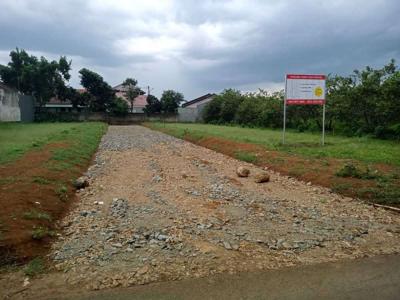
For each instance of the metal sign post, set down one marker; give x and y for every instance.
(323, 125)
(284, 114)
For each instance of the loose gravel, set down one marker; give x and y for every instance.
(159, 208)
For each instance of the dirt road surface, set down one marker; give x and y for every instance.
(161, 209)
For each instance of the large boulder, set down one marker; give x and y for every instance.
(261, 177)
(242, 172)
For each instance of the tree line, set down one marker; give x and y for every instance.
(44, 79)
(366, 102)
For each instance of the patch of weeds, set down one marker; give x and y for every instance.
(40, 180)
(389, 195)
(61, 192)
(350, 170)
(325, 163)
(246, 156)
(277, 160)
(36, 144)
(7, 180)
(34, 267)
(40, 232)
(296, 172)
(194, 136)
(36, 215)
(338, 188)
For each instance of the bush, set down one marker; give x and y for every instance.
(119, 107)
(349, 170)
(41, 232)
(34, 267)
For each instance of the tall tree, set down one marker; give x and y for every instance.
(132, 90)
(40, 78)
(170, 101)
(102, 93)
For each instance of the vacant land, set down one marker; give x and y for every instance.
(357, 167)
(38, 163)
(162, 209)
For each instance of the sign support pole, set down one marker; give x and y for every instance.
(284, 114)
(323, 125)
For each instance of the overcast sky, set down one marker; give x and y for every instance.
(204, 46)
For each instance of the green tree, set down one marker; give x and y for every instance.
(170, 101)
(153, 105)
(223, 107)
(102, 93)
(119, 107)
(40, 78)
(132, 90)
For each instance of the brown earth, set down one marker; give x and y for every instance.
(30, 184)
(317, 171)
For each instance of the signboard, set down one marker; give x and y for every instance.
(303, 89)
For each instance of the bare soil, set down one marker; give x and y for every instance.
(30, 184)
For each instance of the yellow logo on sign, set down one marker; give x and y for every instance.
(318, 91)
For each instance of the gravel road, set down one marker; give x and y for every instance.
(160, 209)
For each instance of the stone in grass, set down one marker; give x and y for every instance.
(81, 182)
(242, 171)
(261, 177)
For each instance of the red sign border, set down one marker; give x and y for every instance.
(305, 102)
(306, 76)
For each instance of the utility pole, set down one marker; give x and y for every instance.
(148, 90)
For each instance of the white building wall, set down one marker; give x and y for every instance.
(9, 106)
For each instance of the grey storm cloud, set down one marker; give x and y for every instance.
(204, 46)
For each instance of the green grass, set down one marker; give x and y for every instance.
(305, 144)
(34, 267)
(36, 215)
(40, 180)
(40, 232)
(17, 138)
(246, 156)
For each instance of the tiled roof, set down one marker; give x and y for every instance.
(140, 101)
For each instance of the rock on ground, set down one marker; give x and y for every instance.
(242, 171)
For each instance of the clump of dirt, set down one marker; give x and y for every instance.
(33, 196)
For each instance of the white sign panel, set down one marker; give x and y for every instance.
(303, 89)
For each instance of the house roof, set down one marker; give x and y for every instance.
(120, 88)
(139, 101)
(206, 96)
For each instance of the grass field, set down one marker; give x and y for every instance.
(38, 163)
(17, 138)
(305, 144)
(360, 167)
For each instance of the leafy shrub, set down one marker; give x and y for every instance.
(41, 232)
(34, 267)
(119, 107)
(349, 170)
